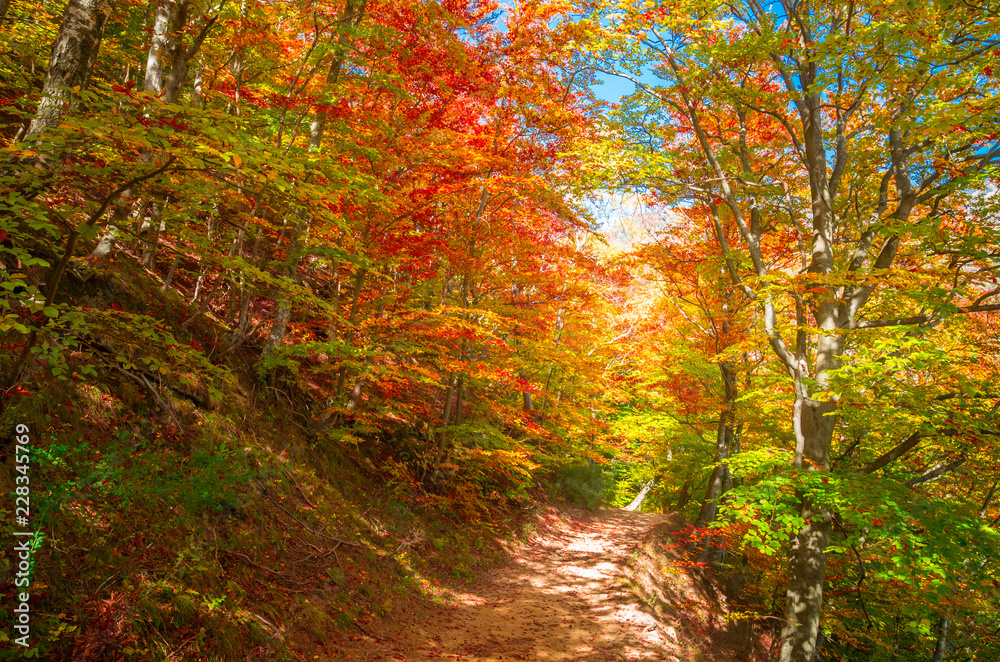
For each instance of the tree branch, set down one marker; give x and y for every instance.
(921, 319)
(938, 471)
(989, 498)
(893, 454)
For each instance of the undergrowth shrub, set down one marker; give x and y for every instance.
(583, 485)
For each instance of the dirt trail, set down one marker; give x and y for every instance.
(563, 598)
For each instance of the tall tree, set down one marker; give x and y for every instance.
(813, 132)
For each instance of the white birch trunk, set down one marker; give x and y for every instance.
(74, 53)
(637, 502)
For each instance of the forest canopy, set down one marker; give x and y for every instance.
(387, 230)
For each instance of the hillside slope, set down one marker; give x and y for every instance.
(185, 520)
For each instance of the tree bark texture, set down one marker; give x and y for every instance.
(720, 480)
(807, 573)
(159, 46)
(720, 477)
(71, 64)
(683, 496)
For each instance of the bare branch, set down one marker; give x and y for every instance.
(923, 319)
(893, 454)
(936, 472)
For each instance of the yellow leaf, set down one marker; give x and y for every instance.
(237, 161)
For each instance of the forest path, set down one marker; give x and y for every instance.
(562, 598)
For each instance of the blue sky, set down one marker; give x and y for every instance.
(613, 88)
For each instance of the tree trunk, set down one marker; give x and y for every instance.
(442, 437)
(683, 496)
(74, 53)
(4, 8)
(196, 87)
(637, 502)
(158, 47)
(814, 426)
(181, 54)
(354, 12)
(284, 301)
(152, 241)
(242, 309)
(807, 573)
(203, 270)
(548, 385)
(449, 396)
(106, 245)
(359, 385)
(243, 325)
(814, 421)
(942, 641)
(282, 314)
(152, 82)
(359, 281)
(180, 58)
(170, 273)
(720, 474)
(720, 482)
(460, 400)
(352, 15)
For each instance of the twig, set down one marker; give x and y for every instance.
(184, 643)
(254, 563)
(315, 533)
(284, 576)
(309, 544)
(242, 339)
(299, 487)
(413, 536)
(141, 381)
(276, 629)
(301, 427)
(861, 577)
(104, 583)
(8, 380)
(320, 553)
(366, 632)
(313, 556)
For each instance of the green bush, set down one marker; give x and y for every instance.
(584, 485)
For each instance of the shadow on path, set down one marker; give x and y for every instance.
(563, 598)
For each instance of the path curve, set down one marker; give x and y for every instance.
(563, 598)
